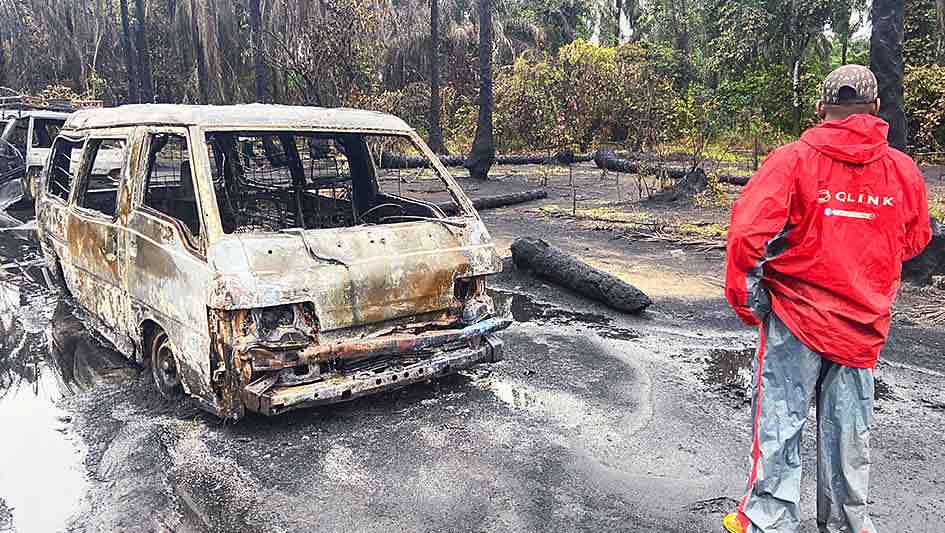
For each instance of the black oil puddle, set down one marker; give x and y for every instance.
(523, 308)
(729, 371)
(882, 391)
(713, 505)
(46, 354)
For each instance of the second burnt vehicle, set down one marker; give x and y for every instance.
(28, 126)
(257, 258)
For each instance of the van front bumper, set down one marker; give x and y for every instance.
(272, 400)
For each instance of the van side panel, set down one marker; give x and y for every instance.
(168, 284)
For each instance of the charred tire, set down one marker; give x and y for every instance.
(164, 365)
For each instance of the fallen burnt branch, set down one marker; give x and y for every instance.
(499, 200)
(609, 160)
(564, 157)
(931, 261)
(734, 180)
(562, 268)
(390, 160)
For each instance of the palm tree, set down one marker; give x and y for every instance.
(436, 133)
(482, 155)
(260, 72)
(453, 27)
(144, 53)
(887, 63)
(129, 52)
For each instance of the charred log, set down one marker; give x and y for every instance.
(931, 262)
(562, 268)
(691, 183)
(391, 160)
(609, 160)
(500, 200)
(734, 180)
(564, 157)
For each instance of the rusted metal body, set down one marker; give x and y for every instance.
(266, 320)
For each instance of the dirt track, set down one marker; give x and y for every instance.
(595, 420)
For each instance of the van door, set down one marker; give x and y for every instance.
(13, 148)
(42, 133)
(96, 236)
(167, 252)
(53, 204)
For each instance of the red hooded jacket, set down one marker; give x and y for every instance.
(819, 236)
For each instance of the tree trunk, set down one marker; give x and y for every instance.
(887, 64)
(483, 150)
(436, 133)
(844, 45)
(76, 64)
(498, 200)
(619, 15)
(200, 57)
(3, 60)
(129, 52)
(144, 53)
(259, 64)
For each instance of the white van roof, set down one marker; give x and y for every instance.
(237, 116)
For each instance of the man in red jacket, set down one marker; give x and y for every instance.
(815, 249)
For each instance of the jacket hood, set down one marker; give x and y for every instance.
(856, 139)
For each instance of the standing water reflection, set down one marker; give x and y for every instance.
(46, 355)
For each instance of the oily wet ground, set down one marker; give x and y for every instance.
(524, 308)
(595, 421)
(41, 477)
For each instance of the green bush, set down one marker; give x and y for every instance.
(585, 95)
(527, 113)
(925, 106)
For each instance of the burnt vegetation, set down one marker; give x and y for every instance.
(711, 79)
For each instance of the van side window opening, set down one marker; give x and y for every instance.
(18, 135)
(396, 179)
(272, 181)
(45, 131)
(63, 164)
(99, 186)
(169, 187)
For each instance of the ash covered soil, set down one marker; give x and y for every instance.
(596, 420)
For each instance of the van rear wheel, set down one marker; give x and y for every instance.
(164, 366)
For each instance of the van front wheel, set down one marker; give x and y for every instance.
(164, 366)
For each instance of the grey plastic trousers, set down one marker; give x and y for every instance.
(787, 377)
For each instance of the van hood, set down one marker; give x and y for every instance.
(352, 276)
(857, 139)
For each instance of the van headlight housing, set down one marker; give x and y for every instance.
(476, 303)
(282, 324)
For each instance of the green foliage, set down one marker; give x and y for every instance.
(925, 105)
(707, 73)
(584, 95)
(412, 103)
(527, 108)
(924, 42)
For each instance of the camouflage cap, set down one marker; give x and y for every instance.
(856, 77)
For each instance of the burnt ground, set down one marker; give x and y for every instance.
(596, 420)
